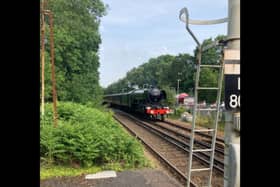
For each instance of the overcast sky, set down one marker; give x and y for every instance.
(135, 30)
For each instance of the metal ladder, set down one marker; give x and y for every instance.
(195, 109)
(184, 16)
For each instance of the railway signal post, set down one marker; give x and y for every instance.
(178, 86)
(232, 97)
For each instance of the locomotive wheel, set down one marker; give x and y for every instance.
(162, 117)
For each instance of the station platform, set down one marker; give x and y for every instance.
(129, 178)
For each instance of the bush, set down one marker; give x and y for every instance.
(86, 136)
(208, 122)
(178, 112)
(204, 121)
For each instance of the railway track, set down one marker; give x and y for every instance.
(220, 140)
(172, 151)
(185, 130)
(183, 140)
(198, 142)
(184, 136)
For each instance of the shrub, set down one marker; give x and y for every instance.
(86, 136)
(208, 122)
(178, 112)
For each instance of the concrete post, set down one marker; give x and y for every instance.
(232, 135)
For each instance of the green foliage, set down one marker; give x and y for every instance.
(208, 122)
(209, 77)
(77, 40)
(86, 136)
(204, 121)
(161, 71)
(182, 68)
(178, 111)
(165, 71)
(212, 55)
(170, 94)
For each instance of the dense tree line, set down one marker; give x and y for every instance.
(77, 40)
(165, 70)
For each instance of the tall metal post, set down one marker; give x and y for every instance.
(232, 134)
(42, 58)
(178, 82)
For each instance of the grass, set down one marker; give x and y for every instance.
(172, 116)
(60, 171)
(203, 121)
(50, 171)
(208, 122)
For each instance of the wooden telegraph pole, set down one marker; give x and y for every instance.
(43, 58)
(50, 15)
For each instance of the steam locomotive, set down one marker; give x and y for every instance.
(147, 101)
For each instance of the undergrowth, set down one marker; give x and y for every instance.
(86, 137)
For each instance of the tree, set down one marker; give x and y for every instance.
(158, 71)
(209, 76)
(77, 40)
(165, 70)
(182, 68)
(170, 96)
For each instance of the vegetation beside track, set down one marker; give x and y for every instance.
(206, 121)
(86, 140)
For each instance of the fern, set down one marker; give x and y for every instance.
(86, 136)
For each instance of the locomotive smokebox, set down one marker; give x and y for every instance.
(154, 92)
(155, 95)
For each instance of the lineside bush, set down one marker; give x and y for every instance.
(86, 137)
(178, 111)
